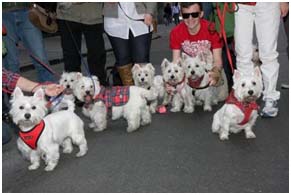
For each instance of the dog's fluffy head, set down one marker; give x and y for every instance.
(173, 73)
(248, 87)
(194, 67)
(86, 86)
(27, 111)
(143, 74)
(68, 80)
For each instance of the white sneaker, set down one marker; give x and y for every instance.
(270, 109)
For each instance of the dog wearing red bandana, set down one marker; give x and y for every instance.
(196, 69)
(240, 110)
(41, 135)
(178, 93)
(129, 102)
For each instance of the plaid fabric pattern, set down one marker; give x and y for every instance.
(9, 80)
(115, 96)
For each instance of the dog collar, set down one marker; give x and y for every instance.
(245, 107)
(174, 88)
(195, 83)
(31, 137)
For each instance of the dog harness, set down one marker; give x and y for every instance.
(245, 107)
(115, 96)
(31, 137)
(195, 83)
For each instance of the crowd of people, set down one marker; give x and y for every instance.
(129, 27)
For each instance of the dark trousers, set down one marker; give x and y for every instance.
(132, 50)
(71, 39)
(226, 64)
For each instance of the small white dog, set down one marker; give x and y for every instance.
(40, 136)
(178, 93)
(197, 69)
(131, 103)
(144, 76)
(68, 80)
(240, 110)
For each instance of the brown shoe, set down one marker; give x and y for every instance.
(125, 74)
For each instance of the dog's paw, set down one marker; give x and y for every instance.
(68, 150)
(92, 125)
(33, 166)
(188, 110)
(250, 135)
(50, 167)
(175, 109)
(81, 153)
(152, 110)
(207, 108)
(99, 129)
(223, 136)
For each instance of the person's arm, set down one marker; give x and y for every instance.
(284, 7)
(150, 12)
(215, 72)
(176, 53)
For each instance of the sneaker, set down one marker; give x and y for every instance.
(270, 109)
(284, 86)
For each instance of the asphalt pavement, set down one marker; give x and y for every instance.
(177, 152)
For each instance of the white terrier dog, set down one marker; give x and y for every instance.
(68, 80)
(178, 92)
(131, 103)
(240, 110)
(197, 69)
(144, 76)
(40, 136)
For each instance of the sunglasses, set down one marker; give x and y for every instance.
(193, 14)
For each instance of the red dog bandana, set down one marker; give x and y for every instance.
(31, 137)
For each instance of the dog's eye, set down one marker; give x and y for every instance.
(254, 83)
(169, 71)
(72, 80)
(65, 80)
(243, 85)
(33, 107)
(176, 71)
(21, 107)
(197, 66)
(82, 86)
(91, 86)
(189, 67)
(139, 75)
(146, 75)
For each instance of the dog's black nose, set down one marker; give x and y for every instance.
(192, 72)
(172, 77)
(142, 79)
(27, 115)
(87, 92)
(68, 86)
(250, 92)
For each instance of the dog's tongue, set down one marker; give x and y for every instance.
(250, 99)
(88, 99)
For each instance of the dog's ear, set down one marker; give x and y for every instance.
(151, 67)
(39, 94)
(236, 75)
(184, 56)
(179, 62)
(79, 75)
(135, 68)
(165, 64)
(257, 72)
(17, 93)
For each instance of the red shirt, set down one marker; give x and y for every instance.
(181, 39)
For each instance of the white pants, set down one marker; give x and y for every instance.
(266, 17)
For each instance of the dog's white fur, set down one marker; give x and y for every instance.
(181, 94)
(61, 128)
(227, 118)
(144, 76)
(68, 80)
(135, 111)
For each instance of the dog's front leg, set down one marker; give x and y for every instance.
(153, 106)
(34, 160)
(52, 157)
(207, 103)
(99, 116)
(224, 132)
(189, 106)
(248, 130)
(176, 103)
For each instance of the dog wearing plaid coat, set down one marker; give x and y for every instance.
(129, 102)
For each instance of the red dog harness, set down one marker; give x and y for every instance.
(115, 96)
(31, 137)
(245, 107)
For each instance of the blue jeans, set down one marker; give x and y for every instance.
(19, 28)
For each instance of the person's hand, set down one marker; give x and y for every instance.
(214, 76)
(284, 7)
(148, 19)
(53, 89)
